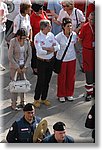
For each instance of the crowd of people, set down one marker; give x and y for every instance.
(36, 33)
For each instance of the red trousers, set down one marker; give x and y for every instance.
(66, 79)
(88, 60)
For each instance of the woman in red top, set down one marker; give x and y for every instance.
(37, 15)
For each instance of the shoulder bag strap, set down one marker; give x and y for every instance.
(67, 47)
(76, 17)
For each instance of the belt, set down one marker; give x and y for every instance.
(45, 60)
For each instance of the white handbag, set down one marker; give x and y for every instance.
(20, 86)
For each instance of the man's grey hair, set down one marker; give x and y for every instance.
(44, 23)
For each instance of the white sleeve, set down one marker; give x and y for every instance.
(38, 47)
(16, 24)
(60, 16)
(57, 37)
(75, 36)
(57, 47)
(81, 16)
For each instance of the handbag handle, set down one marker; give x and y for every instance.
(15, 77)
(66, 47)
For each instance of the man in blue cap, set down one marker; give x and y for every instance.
(22, 130)
(59, 135)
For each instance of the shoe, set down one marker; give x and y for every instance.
(35, 71)
(88, 98)
(22, 104)
(46, 102)
(2, 68)
(70, 98)
(37, 103)
(61, 99)
(15, 108)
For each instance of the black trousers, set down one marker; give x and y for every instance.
(90, 77)
(8, 26)
(43, 79)
(34, 58)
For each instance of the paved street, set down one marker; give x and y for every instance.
(73, 114)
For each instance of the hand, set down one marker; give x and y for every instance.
(54, 44)
(24, 70)
(39, 140)
(19, 70)
(32, 43)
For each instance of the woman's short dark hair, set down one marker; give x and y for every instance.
(36, 7)
(66, 21)
(23, 7)
(21, 32)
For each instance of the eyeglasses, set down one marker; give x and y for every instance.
(23, 38)
(64, 6)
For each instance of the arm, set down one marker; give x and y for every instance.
(80, 18)
(29, 55)
(30, 35)
(81, 35)
(55, 16)
(38, 46)
(56, 21)
(11, 54)
(12, 136)
(16, 23)
(79, 27)
(55, 46)
(49, 49)
(80, 41)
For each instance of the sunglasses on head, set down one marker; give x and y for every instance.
(41, 8)
(64, 6)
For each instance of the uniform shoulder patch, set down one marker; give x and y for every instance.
(11, 129)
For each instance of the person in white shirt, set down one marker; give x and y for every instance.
(66, 77)
(15, 11)
(78, 19)
(3, 19)
(76, 15)
(22, 20)
(45, 45)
